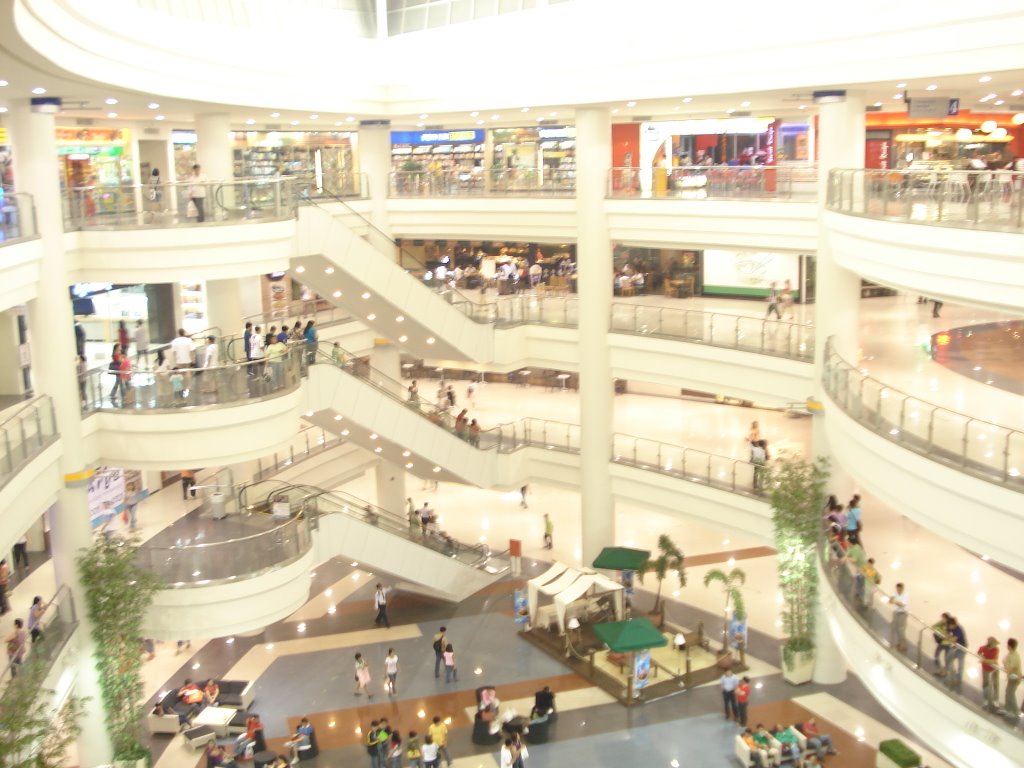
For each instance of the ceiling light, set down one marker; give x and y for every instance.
(474, 114)
(373, 435)
(802, 106)
(336, 294)
(729, 111)
(344, 433)
(295, 122)
(495, 117)
(328, 270)
(932, 87)
(400, 319)
(988, 126)
(1017, 92)
(366, 295)
(525, 109)
(897, 97)
(159, 117)
(480, 122)
(676, 109)
(424, 116)
(630, 103)
(275, 114)
(552, 114)
(38, 91)
(402, 339)
(687, 100)
(378, 449)
(878, 103)
(999, 102)
(338, 417)
(300, 269)
(2, 110)
(349, 119)
(4, 83)
(371, 316)
(111, 115)
(314, 117)
(437, 469)
(964, 134)
(1018, 119)
(745, 104)
(250, 121)
(111, 101)
(153, 105)
(420, 125)
(615, 111)
(540, 119)
(337, 123)
(408, 465)
(430, 340)
(987, 97)
(984, 78)
(999, 133)
(901, 85)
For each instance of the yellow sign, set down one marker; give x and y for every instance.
(3, 135)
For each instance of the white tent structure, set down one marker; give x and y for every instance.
(567, 585)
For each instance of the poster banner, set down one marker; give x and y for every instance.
(520, 606)
(107, 492)
(641, 669)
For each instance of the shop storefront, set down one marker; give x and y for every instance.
(470, 262)
(184, 143)
(6, 165)
(550, 151)
(459, 150)
(294, 153)
(100, 308)
(94, 157)
(968, 141)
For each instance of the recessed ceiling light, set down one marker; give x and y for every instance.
(931, 87)
(403, 339)
(2, 110)
(897, 96)
(328, 270)
(366, 295)
(420, 125)
(295, 122)
(153, 105)
(540, 119)
(901, 85)
(615, 111)
(630, 103)
(111, 115)
(275, 114)
(338, 417)
(349, 119)
(525, 109)
(336, 294)
(337, 123)
(4, 83)
(300, 269)
(474, 114)
(406, 454)
(478, 122)
(430, 340)
(552, 114)
(400, 319)
(371, 316)
(985, 78)
(424, 116)
(344, 433)
(159, 117)
(687, 100)
(378, 449)
(250, 121)
(314, 117)
(999, 102)
(729, 111)
(745, 104)
(373, 435)
(878, 103)
(437, 469)
(1017, 92)
(111, 101)
(408, 465)
(38, 91)
(802, 106)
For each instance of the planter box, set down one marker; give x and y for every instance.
(802, 670)
(908, 757)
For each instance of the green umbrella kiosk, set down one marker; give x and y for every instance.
(622, 559)
(629, 637)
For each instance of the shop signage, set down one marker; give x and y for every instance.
(107, 151)
(558, 133)
(84, 290)
(932, 107)
(183, 137)
(3, 135)
(435, 137)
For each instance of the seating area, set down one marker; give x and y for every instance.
(170, 714)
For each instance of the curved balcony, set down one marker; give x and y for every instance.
(715, 182)
(192, 417)
(946, 712)
(945, 470)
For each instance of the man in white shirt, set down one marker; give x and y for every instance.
(141, 343)
(898, 631)
(211, 354)
(181, 350)
(197, 192)
(380, 602)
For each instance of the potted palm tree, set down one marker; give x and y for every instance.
(731, 583)
(117, 594)
(797, 494)
(670, 558)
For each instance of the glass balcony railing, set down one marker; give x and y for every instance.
(24, 434)
(690, 464)
(991, 200)
(159, 206)
(147, 391)
(345, 184)
(715, 182)
(955, 672)
(979, 448)
(58, 623)
(17, 217)
(494, 182)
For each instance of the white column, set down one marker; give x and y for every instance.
(390, 475)
(375, 162)
(837, 300)
(50, 325)
(381, 13)
(594, 254)
(213, 153)
(224, 305)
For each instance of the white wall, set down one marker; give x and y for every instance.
(19, 272)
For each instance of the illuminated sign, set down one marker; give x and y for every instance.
(83, 290)
(709, 127)
(435, 137)
(183, 137)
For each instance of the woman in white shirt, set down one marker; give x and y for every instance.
(391, 671)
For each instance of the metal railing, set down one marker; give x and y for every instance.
(24, 434)
(690, 464)
(945, 670)
(331, 184)
(17, 217)
(268, 466)
(492, 182)
(58, 623)
(196, 565)
(149, 391)
(715, 182)
(992, 200)
(988, 451)
(152, 206)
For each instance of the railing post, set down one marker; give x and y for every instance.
(931, 426)
(39, 427)
(7, 450)
(966, 442)
(1006, 457)
(24, 438)
(659, 457)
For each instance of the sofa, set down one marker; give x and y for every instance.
(165, 723)
(233, 693)
(743, 752)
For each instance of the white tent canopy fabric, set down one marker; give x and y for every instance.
(567, 585)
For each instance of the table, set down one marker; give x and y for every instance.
(216, 718)
(563, 377)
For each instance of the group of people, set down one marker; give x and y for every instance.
(777, 299)
(462, 425)
(17, 641)
(781, 744)
(386, 749)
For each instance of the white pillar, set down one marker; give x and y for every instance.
(51, 325)
(387, 359)
(213, 153)
(375, 162)
(224, 305)
(381, 13)
(837, 297)
(829, 664)
(390, 476)
(594, 254)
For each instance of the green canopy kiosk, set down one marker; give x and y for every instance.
(629, 637)
(622, 559)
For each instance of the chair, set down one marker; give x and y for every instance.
(311, 750)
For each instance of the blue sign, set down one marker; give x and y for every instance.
(954, 107)
(436, 137)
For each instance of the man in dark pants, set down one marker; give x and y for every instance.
(440, 642)
(380, 600)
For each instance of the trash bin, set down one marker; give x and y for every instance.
(218, 505)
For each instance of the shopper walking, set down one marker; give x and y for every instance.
(5, 582)
(16, 643)
(188, 484)
(197, 192)
(380, 602)
(437, 731)
(729, 682)
(898, 629)
(391, 671)
(522, 496)
(362, 677)
(451, 673)
(549, 530)
(35, 618)
(141, 343)
(21, 553)
(131, 503)
(773, 302)
(440, 643)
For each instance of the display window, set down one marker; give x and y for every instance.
(184, 143)
(6, 165)
(293, 153)
(549, 150)
(413, 151)
(965, 141)
(94, 157)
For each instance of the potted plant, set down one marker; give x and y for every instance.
(670, 558)
(797, 494)
(893, 753)
(117, 594)
(731, 583)
(34, 734)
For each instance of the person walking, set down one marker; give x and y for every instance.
(729, 682)
(989, 652)
(773, 302)
(440, 643)
(362, 676)
(21, 553)
(380, 602)
(1011, 666)
(522, 496)
(197, 192)
(16, 642)
(742, 700)
(957, 654)
(35, 618)
(141, 342)
(451, 673)
(188, 484)
(898, 630)
(5, 582)
(549, 530)
(131, 503)
(437, 731)
(391, 671)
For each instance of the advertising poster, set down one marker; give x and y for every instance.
(107, 492)
(641, 669)
(520, 606)
(748, 273)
